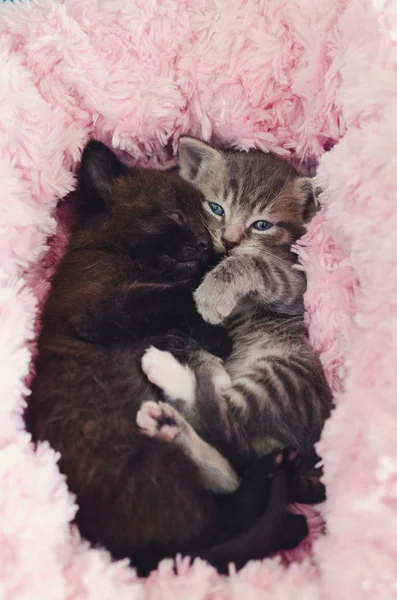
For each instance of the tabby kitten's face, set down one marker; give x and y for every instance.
(255, 202)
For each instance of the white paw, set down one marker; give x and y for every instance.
(158, 420)
(212, 301)
(177, 381)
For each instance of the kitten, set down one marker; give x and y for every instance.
(137, 251)
(256, 207)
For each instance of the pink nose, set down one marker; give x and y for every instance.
(232, 236)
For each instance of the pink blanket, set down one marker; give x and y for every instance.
(296, 77)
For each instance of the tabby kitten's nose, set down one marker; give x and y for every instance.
(232, 236)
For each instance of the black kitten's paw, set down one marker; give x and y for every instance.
(292, 459)
(251, 499)
(264, 468)
(213, 338)
(293, 532)
(304, 484)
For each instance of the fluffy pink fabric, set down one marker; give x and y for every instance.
(296, 77)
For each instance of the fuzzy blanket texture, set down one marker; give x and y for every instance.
(315, 80)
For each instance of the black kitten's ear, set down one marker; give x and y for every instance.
(98, 170)
(307, 197)
(198, 161)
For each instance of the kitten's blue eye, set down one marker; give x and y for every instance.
(262, 225)
(216, 209)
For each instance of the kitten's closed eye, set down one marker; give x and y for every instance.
(177, 216)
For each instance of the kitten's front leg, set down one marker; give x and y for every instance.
(222, 288)
(272, 281)
(177, 381)
(164, 422)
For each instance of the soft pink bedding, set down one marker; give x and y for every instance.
(297, 77)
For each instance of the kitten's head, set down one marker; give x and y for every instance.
(254, 202)
(149, 214)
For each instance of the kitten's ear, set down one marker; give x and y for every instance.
(307, 196)
(197, 160)
(99, 168)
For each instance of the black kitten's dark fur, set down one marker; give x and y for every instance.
(137, 251)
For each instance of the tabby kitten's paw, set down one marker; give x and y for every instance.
(175, 380)
(159, 421)
(214, 302)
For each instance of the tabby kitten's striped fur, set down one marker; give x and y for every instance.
(257, 206)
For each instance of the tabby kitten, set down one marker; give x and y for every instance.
(256, 207)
